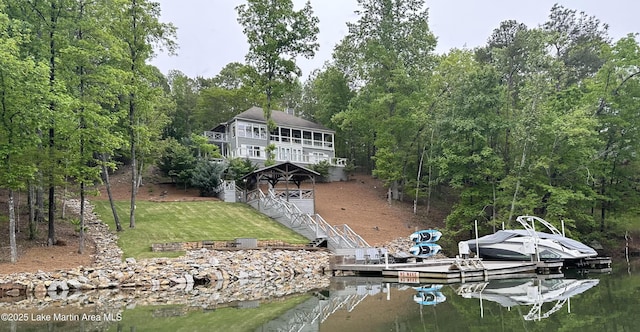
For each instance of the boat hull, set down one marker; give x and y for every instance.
(518, 245)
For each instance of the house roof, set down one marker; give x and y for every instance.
(285, 171)
(280, 118)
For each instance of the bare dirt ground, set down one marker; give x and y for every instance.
(359, 203)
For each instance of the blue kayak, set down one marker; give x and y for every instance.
(429, 295)
(425, 249)
(426, 235)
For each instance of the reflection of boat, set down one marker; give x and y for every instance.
(426, 235)
(515, 292)
(425, 249)
(429, 295)
(522, 244)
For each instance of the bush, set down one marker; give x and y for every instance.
(322, 168)
(207, 177)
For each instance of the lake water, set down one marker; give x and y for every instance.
(576, 302)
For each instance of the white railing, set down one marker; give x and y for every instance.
(214, 136)
(351, 235)
(292, 157)
(293, 193)
(342, 237)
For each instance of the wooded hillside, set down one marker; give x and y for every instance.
(541, 120)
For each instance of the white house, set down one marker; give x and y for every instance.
(297, 140)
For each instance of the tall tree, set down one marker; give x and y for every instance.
(23, 83)
(277, 34)
(95, 86)
(388, 54)
(139, 28)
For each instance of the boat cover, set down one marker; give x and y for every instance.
(503, 235)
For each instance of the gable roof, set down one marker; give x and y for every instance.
(280, 118)
(285, 171)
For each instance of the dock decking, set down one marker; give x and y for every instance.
(452, 270)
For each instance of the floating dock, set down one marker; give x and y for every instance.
(453, 270)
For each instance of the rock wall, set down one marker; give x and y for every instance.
(196, 267)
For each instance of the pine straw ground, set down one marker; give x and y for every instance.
(360, 203)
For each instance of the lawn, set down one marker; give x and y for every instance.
(161, 222)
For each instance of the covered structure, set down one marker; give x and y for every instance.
(285, 180)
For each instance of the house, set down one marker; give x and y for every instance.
(297, 140)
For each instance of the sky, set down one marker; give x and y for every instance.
(209, 36)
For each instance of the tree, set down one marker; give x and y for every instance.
(387, 55)
(23, 83)
(277, 34)
(184, 93)
(94, 132)
(140, 30)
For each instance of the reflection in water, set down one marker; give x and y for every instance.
(534, 292)
(368, 304)
(429, 295)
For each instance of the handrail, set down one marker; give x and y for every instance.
(344, 239)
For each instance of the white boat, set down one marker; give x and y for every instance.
(525, 292)
(526, 243)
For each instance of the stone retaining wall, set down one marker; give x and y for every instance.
(201, 266)
(218, 245)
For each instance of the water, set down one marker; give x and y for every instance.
(577, 302)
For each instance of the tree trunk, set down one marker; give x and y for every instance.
(105, 174)
(134, 164)
(82, 207)
(40, 199)
(32, 212)
(515, 193)
(415, 201)
(12, 228)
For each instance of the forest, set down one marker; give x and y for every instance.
(541, 120)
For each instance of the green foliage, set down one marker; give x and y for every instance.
(277, 34)
(322, 167)
(207, 176)
(238, 168)
(177, 161)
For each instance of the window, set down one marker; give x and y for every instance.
(251, 151)
(252, 130)
(317, 139)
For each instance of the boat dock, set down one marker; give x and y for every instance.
(451, 270)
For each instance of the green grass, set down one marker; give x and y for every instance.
(162, 222)
(145, 318)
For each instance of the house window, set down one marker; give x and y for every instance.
(252, 130)
(285, 134)
(251, 151)
(328, 140)
(296, 136)
(317, 139)
(306, 138)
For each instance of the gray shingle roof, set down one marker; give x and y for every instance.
(280, 118)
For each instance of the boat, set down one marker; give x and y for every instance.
(426, 235)
(528, 292)
(425, 249)
(523, 244)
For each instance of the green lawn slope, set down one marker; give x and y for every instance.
(161, 222)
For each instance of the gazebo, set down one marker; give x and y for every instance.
(286, 173)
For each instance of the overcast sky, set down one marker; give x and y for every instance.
(209, 36)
